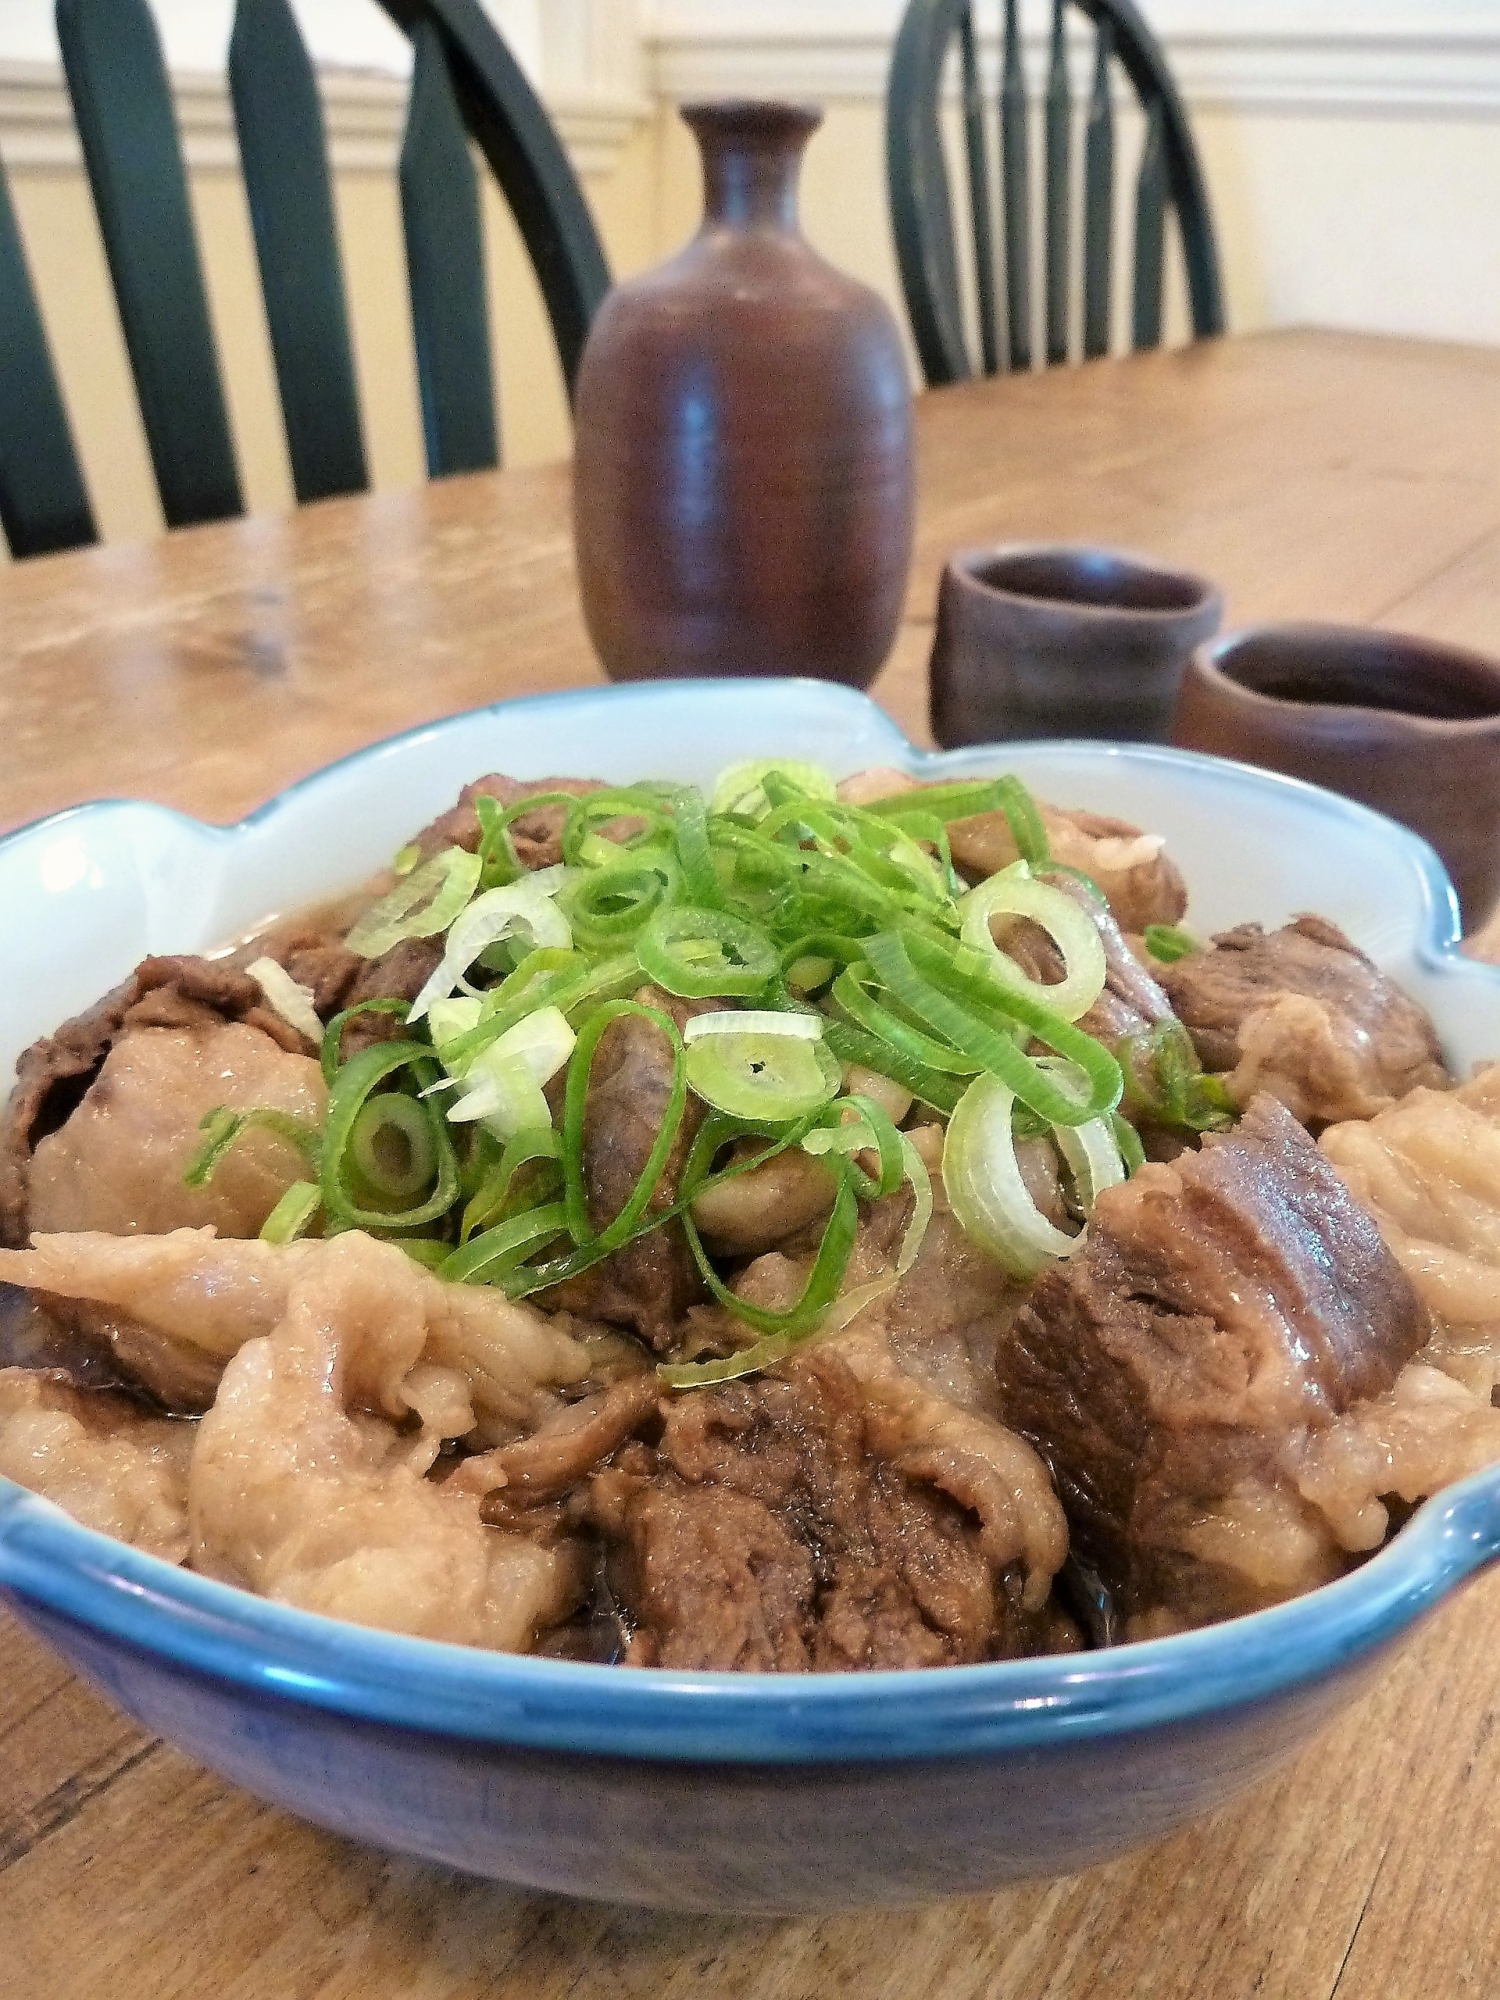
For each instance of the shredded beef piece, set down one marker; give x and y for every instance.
(398, 974)
(323, 965)
(51, 1078)
(649, 1284)
(537, 835)
(1302, 1013)
(765, 1533)
(1222, 1309)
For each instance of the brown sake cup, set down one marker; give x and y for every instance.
(1404, 725)
(1034, 640)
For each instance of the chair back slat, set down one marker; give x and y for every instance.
(1059, 130)
(1015, 152)
(977, 151)
(43, 505)
(1150, 229)
(511, 128)
(122, 104)
(280, 124)
(1099, 199)
(1077, 225)
(445, 268)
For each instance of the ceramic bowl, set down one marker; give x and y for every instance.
(716, 1791)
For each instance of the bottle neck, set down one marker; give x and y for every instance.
(752, 157)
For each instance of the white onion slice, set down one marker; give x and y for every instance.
(746, 1021)
(285, 997)
(1013, 892)
(987, 1192)
(526, 905)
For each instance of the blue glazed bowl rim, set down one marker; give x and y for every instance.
(999, 1707)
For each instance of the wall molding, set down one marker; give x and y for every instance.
(363, 114)
(1299, 56)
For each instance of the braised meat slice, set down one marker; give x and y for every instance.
(104, 1113)
(1302, 1013)
(773, 1529)
(537, 835)
(1223, 1310)
(650, 1283)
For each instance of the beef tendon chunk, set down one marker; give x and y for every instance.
(105, 1114)
(99, 1456)
(1428, 1170)
(1302, 1013)
(536, 835)
(650, 1283)
(1224, 1312)
(795, 1522)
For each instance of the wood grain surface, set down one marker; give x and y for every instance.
(1313, 475)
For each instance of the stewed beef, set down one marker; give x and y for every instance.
(1223, 1310)
(769, 1532)
(1304, 1014)
(537, 835)
(650, 1283)
(187, 998)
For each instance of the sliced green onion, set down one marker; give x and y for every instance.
(606, 904)
(849, 993)
(333, 1034)
(575, 1105)
(742, 787)
(504, 1082)
(391, 1147)
(285, 997)
(870, 1129)
(853, 1045)
(293, 1214)
(224, 1128)
(700, 954)
(772, 1072)
(746, 1021)
(355, 1083)
(1013, 892)
(499, 913)
(406, 858)
(909, 966)
(967, 800)
(534, 1145)
(1129, 1142)
(986, 1189)
(627, 802)
(421, 904)
(690, 829)
(1168, 943)
(780, 1332)
(489, 1256)
(427, 1251)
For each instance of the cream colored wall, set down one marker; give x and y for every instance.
(1365, 221)
(1354, 220)
(67, 261)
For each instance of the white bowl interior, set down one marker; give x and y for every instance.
(88, 893)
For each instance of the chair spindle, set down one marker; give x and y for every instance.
(1015, 145)
(43, 505)
(1150, 228)
(445, 267)
(1099, 199)
(1059, 127)
(979, 194)
(122, 103)
(280, 123)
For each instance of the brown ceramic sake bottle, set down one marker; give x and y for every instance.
(743, 496)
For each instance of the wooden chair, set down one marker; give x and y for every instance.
(465, 84)
(922, 210)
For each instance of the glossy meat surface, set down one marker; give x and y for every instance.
(1222, 1308)
(1304, 1015)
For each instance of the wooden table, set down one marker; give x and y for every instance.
(1314, 475)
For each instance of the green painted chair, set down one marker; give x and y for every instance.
(953, 342)
(465, 85)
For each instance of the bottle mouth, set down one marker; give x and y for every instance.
(749, 120)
